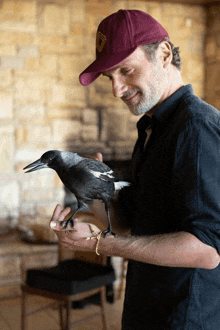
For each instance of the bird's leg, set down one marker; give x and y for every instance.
(69, 221)
(109, 229)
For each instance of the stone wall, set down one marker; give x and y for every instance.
(212, 81)
(44, 46)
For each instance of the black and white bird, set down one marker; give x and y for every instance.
(86, 178)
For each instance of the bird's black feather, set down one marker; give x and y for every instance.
(87, 178)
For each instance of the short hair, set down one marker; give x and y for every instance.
(150, 51)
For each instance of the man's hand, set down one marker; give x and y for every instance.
(98, 156)
(74, 238)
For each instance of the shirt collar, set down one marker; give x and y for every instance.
(164, 111)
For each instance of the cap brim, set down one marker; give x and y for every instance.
(93, 71)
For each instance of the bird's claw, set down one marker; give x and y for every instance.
(66, 223)
(108, 231)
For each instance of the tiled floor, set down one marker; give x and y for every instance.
(10, 315)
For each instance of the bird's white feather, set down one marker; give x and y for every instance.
(120, 184)
(99, 174)
(117, 185)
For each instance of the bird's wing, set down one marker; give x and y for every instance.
(100, 170)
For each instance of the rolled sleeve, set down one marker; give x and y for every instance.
(196, 181)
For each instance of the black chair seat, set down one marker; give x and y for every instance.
(71, 277)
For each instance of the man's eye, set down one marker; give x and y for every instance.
(125, 71)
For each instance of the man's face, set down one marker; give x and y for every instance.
(138, 82)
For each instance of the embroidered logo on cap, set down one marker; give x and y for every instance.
(100, 41)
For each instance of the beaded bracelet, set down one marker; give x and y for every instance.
(97, 236)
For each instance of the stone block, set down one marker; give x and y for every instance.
(90, 116)
(8, 50)
(90, 133)
(54, 19)
(98, 8)
(10, 194)
(198, 89)
(78, 29)
(69, 67)
(155, 11)
(12, 62)
(28, 51)
(212, 71)
(74, 44)
(64, 113)
(18, 8)
(15, 38)
(38, 134)
(183, 10)
(25, 8)
(118, 4)
(118, 124)
(77, 11)
(27, 112)
(210, 49)
(49, 43)
(43, 179)
(195, 46)
(33, 82)
(49, 65)
(28, 155)
(20, 136)
(64, 130)
(37, 194)
(5, 77)
(6, 105)
(138, 5)
(18, 27)
(10, 266)
(27, 95)
(68, 95)
(194, 70)
(31, 64)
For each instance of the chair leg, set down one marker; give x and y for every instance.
(61, 316)
(23, 311)
(103, 307)
(68, 308)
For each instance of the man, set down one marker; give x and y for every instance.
(168, 221)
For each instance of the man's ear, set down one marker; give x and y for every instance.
(164, 53)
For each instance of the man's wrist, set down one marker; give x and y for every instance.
(107, 245)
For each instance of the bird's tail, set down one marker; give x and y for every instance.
(121, 184)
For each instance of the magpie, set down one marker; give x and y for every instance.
(86, 178)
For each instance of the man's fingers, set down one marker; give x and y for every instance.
(59, 213)
(56, 212)
(58, 216)
(98, 156)
(58, 225)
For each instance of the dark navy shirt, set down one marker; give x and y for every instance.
(176, 187)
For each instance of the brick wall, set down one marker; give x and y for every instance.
(44, 45)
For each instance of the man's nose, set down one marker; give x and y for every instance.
(119, 87)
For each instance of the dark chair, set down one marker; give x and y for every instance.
(71, 280)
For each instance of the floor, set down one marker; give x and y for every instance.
(10, 315)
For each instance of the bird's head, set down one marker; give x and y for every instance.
(49, 159)
(54, 159)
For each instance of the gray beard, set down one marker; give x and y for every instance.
(144, 104)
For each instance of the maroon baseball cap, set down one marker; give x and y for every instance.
(117, 37)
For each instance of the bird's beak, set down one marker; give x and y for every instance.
(37, 165)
